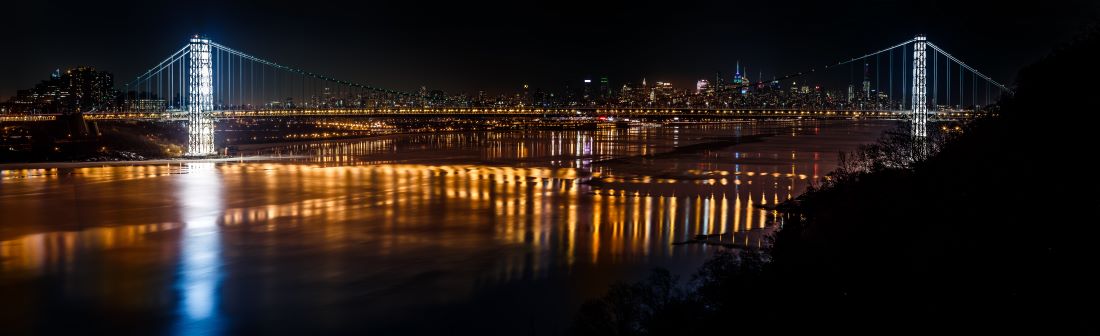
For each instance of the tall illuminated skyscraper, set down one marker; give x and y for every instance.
(737, 74)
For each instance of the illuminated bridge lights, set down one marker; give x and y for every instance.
(27, 117)
(481, 111)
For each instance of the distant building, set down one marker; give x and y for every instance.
(81, 89)
(482, 98)
(586, 91)
(146, 105)
(866, 81)
(702, 86)
(661, 91)
(605, 88)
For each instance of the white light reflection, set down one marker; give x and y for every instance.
(200, 267)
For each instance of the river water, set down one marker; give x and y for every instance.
(477, 232)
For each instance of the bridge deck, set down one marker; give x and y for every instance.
(474, 112)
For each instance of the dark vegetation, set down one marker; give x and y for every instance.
(69, 139)
(995, 233)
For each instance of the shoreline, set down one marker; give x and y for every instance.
(55, 164)
(250, 150)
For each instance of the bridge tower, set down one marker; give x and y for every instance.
(920, 87)
(200, 99)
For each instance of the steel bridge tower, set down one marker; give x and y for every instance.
(200, 99)
(920, 87)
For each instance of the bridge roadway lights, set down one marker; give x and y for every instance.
(216, 114)
(219, 114)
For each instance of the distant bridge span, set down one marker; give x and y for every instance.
(204, 81)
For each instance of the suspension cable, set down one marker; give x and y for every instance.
(301, 72)
(170, 59)
(964, 65)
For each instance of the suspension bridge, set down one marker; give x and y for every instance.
(203, 81)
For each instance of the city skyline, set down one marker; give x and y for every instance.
(447, 52)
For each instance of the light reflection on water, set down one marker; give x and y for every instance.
(200, 266)
(416, 222)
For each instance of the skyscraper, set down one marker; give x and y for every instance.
(702, 86)
(866, 81)
(78, 89)
(605, 88)
(737, 74)
(745, 81)
(586, 92)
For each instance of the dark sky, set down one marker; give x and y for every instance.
(465, 46)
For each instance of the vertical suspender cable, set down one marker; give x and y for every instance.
(263, 86)
(240, 81)
(171, 84)
(229, 81)
(904, 70)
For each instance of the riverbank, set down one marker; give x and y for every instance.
(179, 161)
(65, 141)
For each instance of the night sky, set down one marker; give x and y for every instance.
(460, 46)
